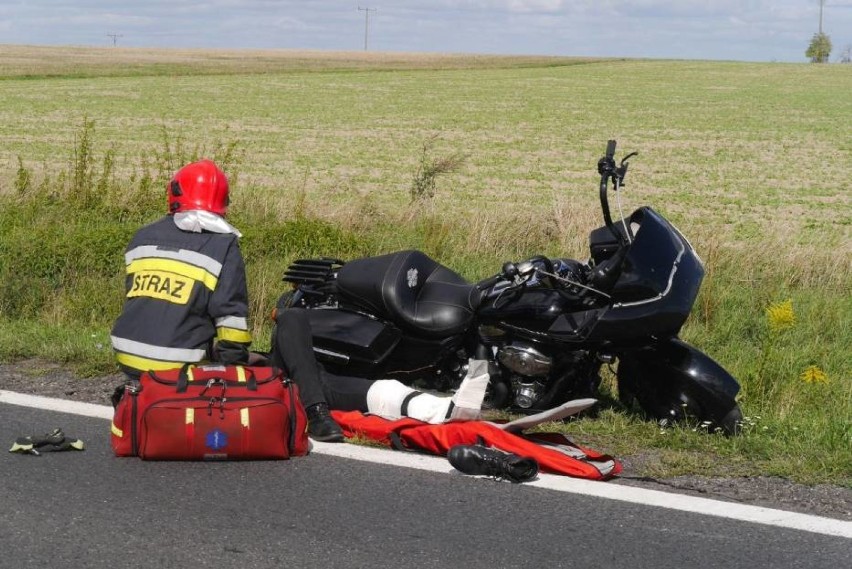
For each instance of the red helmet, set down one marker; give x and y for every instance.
(200, 185)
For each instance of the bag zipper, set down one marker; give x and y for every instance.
(207, 399)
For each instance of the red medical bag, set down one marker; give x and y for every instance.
(210, 412)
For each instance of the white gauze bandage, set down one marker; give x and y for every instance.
(391, 399)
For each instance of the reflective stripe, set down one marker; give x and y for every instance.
(238, 322)
(177, 267)
(189, 425)
(233, 335)
(160, 353)
(241, 374)
(189, 376)
(209, 264)
(244, 417)
(144, 364)
(115, 430)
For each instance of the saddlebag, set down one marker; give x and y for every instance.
(351, 339)
(210, 412)
(554, 452)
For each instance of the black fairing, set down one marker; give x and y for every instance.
(668, 375)
(659, 281)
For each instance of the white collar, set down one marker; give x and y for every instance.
(198, 220)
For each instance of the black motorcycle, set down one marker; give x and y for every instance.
(544, 325)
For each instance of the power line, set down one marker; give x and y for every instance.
(366, 22)
(114, 38)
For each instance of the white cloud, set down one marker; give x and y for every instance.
(535, 6)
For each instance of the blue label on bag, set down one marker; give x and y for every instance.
(216, 440)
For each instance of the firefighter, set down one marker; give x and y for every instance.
(186, 282)
(186, 295)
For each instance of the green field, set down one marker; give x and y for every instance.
(752, 161)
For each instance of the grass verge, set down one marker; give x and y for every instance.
(762, 147)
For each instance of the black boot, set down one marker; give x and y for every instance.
(477, 459)
(321, 427)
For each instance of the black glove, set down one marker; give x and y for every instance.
(55, 441)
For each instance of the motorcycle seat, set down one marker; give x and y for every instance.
(412, 290)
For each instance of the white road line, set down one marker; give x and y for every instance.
(730, 510)
(51, 404)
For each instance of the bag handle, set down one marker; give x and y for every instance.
(250, 379)
(183, 378)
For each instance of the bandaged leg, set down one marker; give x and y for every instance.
(467, 400)
(391, 399)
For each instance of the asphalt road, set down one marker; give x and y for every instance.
(90, 509)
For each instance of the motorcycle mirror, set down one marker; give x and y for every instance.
(525, 268)
(510, 269)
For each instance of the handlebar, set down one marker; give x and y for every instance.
(606, 168)
(609, 171)
(490, 281)
(511, 271)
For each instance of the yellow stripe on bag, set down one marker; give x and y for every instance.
(244, 417)
(241, 374)
(189, 375)
(190, 416)
(115, 430)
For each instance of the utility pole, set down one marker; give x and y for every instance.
(114, 38)
(366, 22)
(821, 4)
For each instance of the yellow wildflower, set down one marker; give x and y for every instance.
(781, 316)
(813, 374)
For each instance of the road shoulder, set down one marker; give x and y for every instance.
(48, 379)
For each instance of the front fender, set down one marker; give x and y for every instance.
(672, 380)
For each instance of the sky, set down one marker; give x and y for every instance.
(741, 30)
